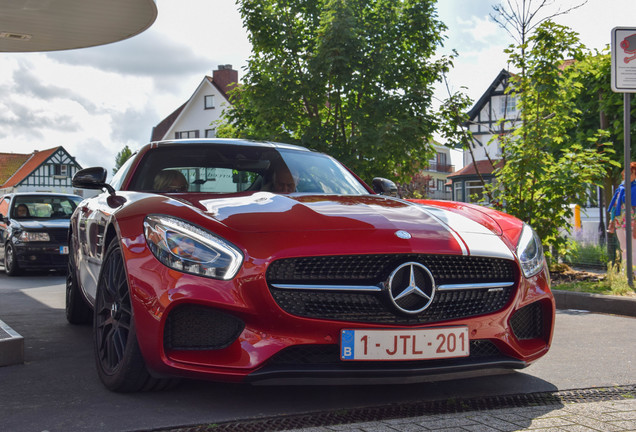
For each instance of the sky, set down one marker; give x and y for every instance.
(94, 101)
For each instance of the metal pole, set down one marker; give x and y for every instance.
(628, 187)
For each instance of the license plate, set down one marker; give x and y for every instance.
(400, 344)
(63, 250)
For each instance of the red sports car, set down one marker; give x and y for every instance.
(245, 261)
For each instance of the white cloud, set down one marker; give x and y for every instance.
(479, 29)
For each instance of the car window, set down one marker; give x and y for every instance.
(4, 207)
(120, 175)
(227, 169)
(43, 207)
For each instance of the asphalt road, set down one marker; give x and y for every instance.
(57, 388)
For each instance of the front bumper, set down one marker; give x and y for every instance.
(41, 255)
(245, 336)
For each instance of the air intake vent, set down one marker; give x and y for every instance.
(527, 322)
(193, 327)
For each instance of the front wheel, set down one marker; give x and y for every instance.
(11, 266)
(120, 365)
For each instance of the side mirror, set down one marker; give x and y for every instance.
(384, 186)
(92, 178)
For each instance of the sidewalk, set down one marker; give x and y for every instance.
(604, 409)
(599, 416)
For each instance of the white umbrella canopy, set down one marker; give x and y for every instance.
(52, 25)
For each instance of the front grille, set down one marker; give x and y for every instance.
(192, 327)
(373, 270)
(58, 235)
(376, 268)
(527, 322)
(330, 354)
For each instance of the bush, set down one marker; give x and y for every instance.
(587, 255)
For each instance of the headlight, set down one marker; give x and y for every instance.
(27, 236)
(530, 252)
(187, 248)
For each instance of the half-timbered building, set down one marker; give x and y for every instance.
(493, 115)
(48, 170)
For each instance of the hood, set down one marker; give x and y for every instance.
(439, 229)
(40, 224)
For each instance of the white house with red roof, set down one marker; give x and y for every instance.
(196, 118)
(48, 170)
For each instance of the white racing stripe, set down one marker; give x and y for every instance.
(479, 240)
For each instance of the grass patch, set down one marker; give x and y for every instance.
(614, 283)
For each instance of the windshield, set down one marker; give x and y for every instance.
(44, 207)
(225, 169)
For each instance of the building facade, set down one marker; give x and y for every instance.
(197, 117)
(438, 169)
(48, 170)
(493, 115)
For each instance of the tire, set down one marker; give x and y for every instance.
(120, 365)
(11, 266)
(77, 310)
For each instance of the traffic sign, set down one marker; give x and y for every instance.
(624, 60)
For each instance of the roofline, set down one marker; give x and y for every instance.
(206, 80)
(31, 156)
(486, 95)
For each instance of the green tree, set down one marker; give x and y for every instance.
(352, 78)
(601, 108)
(545, 170)
(122, 157)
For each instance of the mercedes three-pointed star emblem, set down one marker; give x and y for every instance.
(411, 288)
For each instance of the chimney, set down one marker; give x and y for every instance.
(225, 78)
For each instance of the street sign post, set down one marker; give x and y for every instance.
(624, 81)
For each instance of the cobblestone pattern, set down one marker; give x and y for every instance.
(607, 416)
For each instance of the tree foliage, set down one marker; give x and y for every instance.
(545, 169)
(352, 78)
(601, 108)
(121, 158)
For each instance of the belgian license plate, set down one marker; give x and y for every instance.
(63, 250)
(401, 344)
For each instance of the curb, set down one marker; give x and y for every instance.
(616, 305)
(11, 346)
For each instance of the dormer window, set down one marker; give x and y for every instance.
(208, 102)
(59, 170)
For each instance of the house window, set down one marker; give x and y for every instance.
(208, 101)
(210, 133)
(440, 185)
(58, 170)
(459, 195)
(187, 134)
(508, 106)
(474, 191)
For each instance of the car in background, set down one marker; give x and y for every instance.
(245, 261)
(34, 230)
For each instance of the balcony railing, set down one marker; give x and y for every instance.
(444, 168)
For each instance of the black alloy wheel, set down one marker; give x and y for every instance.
(120, 365)
(77, 310)
(11, 267)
